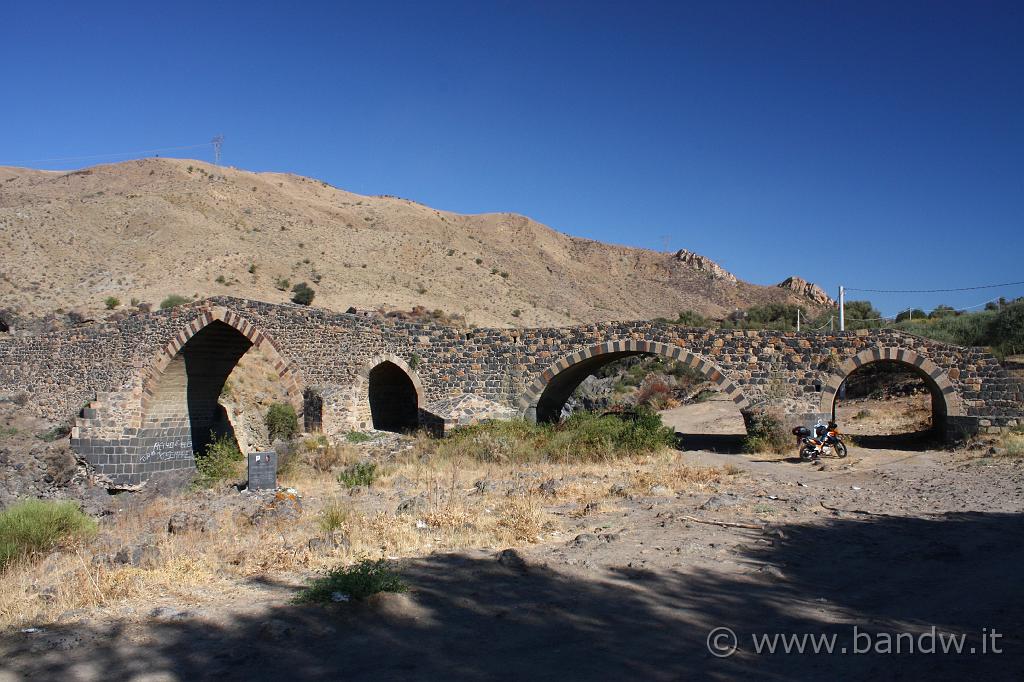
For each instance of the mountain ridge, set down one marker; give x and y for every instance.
(149, 228)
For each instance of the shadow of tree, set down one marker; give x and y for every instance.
(469, 617)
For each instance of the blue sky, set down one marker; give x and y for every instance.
(877, 145)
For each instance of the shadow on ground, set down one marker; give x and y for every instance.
(473, 618)
(726, 444)
(916, 441)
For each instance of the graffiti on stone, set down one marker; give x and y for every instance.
(167, 451)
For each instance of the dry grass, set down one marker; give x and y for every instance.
(198, 567)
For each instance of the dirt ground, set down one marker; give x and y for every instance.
(884, 541)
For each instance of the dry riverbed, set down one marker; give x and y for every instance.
(616, 571)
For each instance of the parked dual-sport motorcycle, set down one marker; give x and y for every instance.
(824, 442)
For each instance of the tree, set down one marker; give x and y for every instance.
(1006, 332)
(862, 315)
(915, 314)
(302, 294)
(943, 311)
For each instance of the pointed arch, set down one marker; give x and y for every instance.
(553, 386)
(387, 394)
(256, 337)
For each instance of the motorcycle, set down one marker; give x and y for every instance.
(825, 441)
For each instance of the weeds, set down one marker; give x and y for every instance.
(357, 582)
(357, 437)
(34, 526)
(221, 461)
(333, 517)
(765, 434)
(282, 422)
(56, 433)
(359, 474)
(583, 437)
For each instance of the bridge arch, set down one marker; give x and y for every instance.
(181, 387)
(945, 399)
(544, 398)
(388, 394)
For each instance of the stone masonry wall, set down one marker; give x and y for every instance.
(123, 373)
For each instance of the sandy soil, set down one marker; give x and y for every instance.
(884, 541)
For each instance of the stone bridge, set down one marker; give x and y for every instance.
(142, 393)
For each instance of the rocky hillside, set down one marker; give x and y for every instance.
(142, 230)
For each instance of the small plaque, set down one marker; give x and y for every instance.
(263, 470)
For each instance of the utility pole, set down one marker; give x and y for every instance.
(217, 142)
(842, 308)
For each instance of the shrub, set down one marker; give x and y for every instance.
(282, 284)
(221, 461)
(112, 302)
(56, 433)
(765, 433)
(221, 279)
(323, 455)
(583, 437)
(282, 422)
(361, 473)
(172, 301)
(352, 582)
(302, 294)
(332, 517)
(34, 526)
(357, 437)
(655, 393)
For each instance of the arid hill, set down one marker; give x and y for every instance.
(149, 228)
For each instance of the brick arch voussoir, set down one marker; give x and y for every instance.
(905, 356)
(285, 369)
(709, 369)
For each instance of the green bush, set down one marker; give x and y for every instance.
(282, 422)
(221, 461)
(353, 582)
(56, 433)
(361, 473)
(583, 437)
(766, 434)
(172, 301)
(1002, 330)
(112, 302)
(282, 284)
(357, 437)
(33, 526)
(302, 294)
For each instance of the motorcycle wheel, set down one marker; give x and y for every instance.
(807, 452)
(840, 447)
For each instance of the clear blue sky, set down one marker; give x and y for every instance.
(872, 144)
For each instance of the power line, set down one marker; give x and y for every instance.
(934, 291)
(103, 156)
